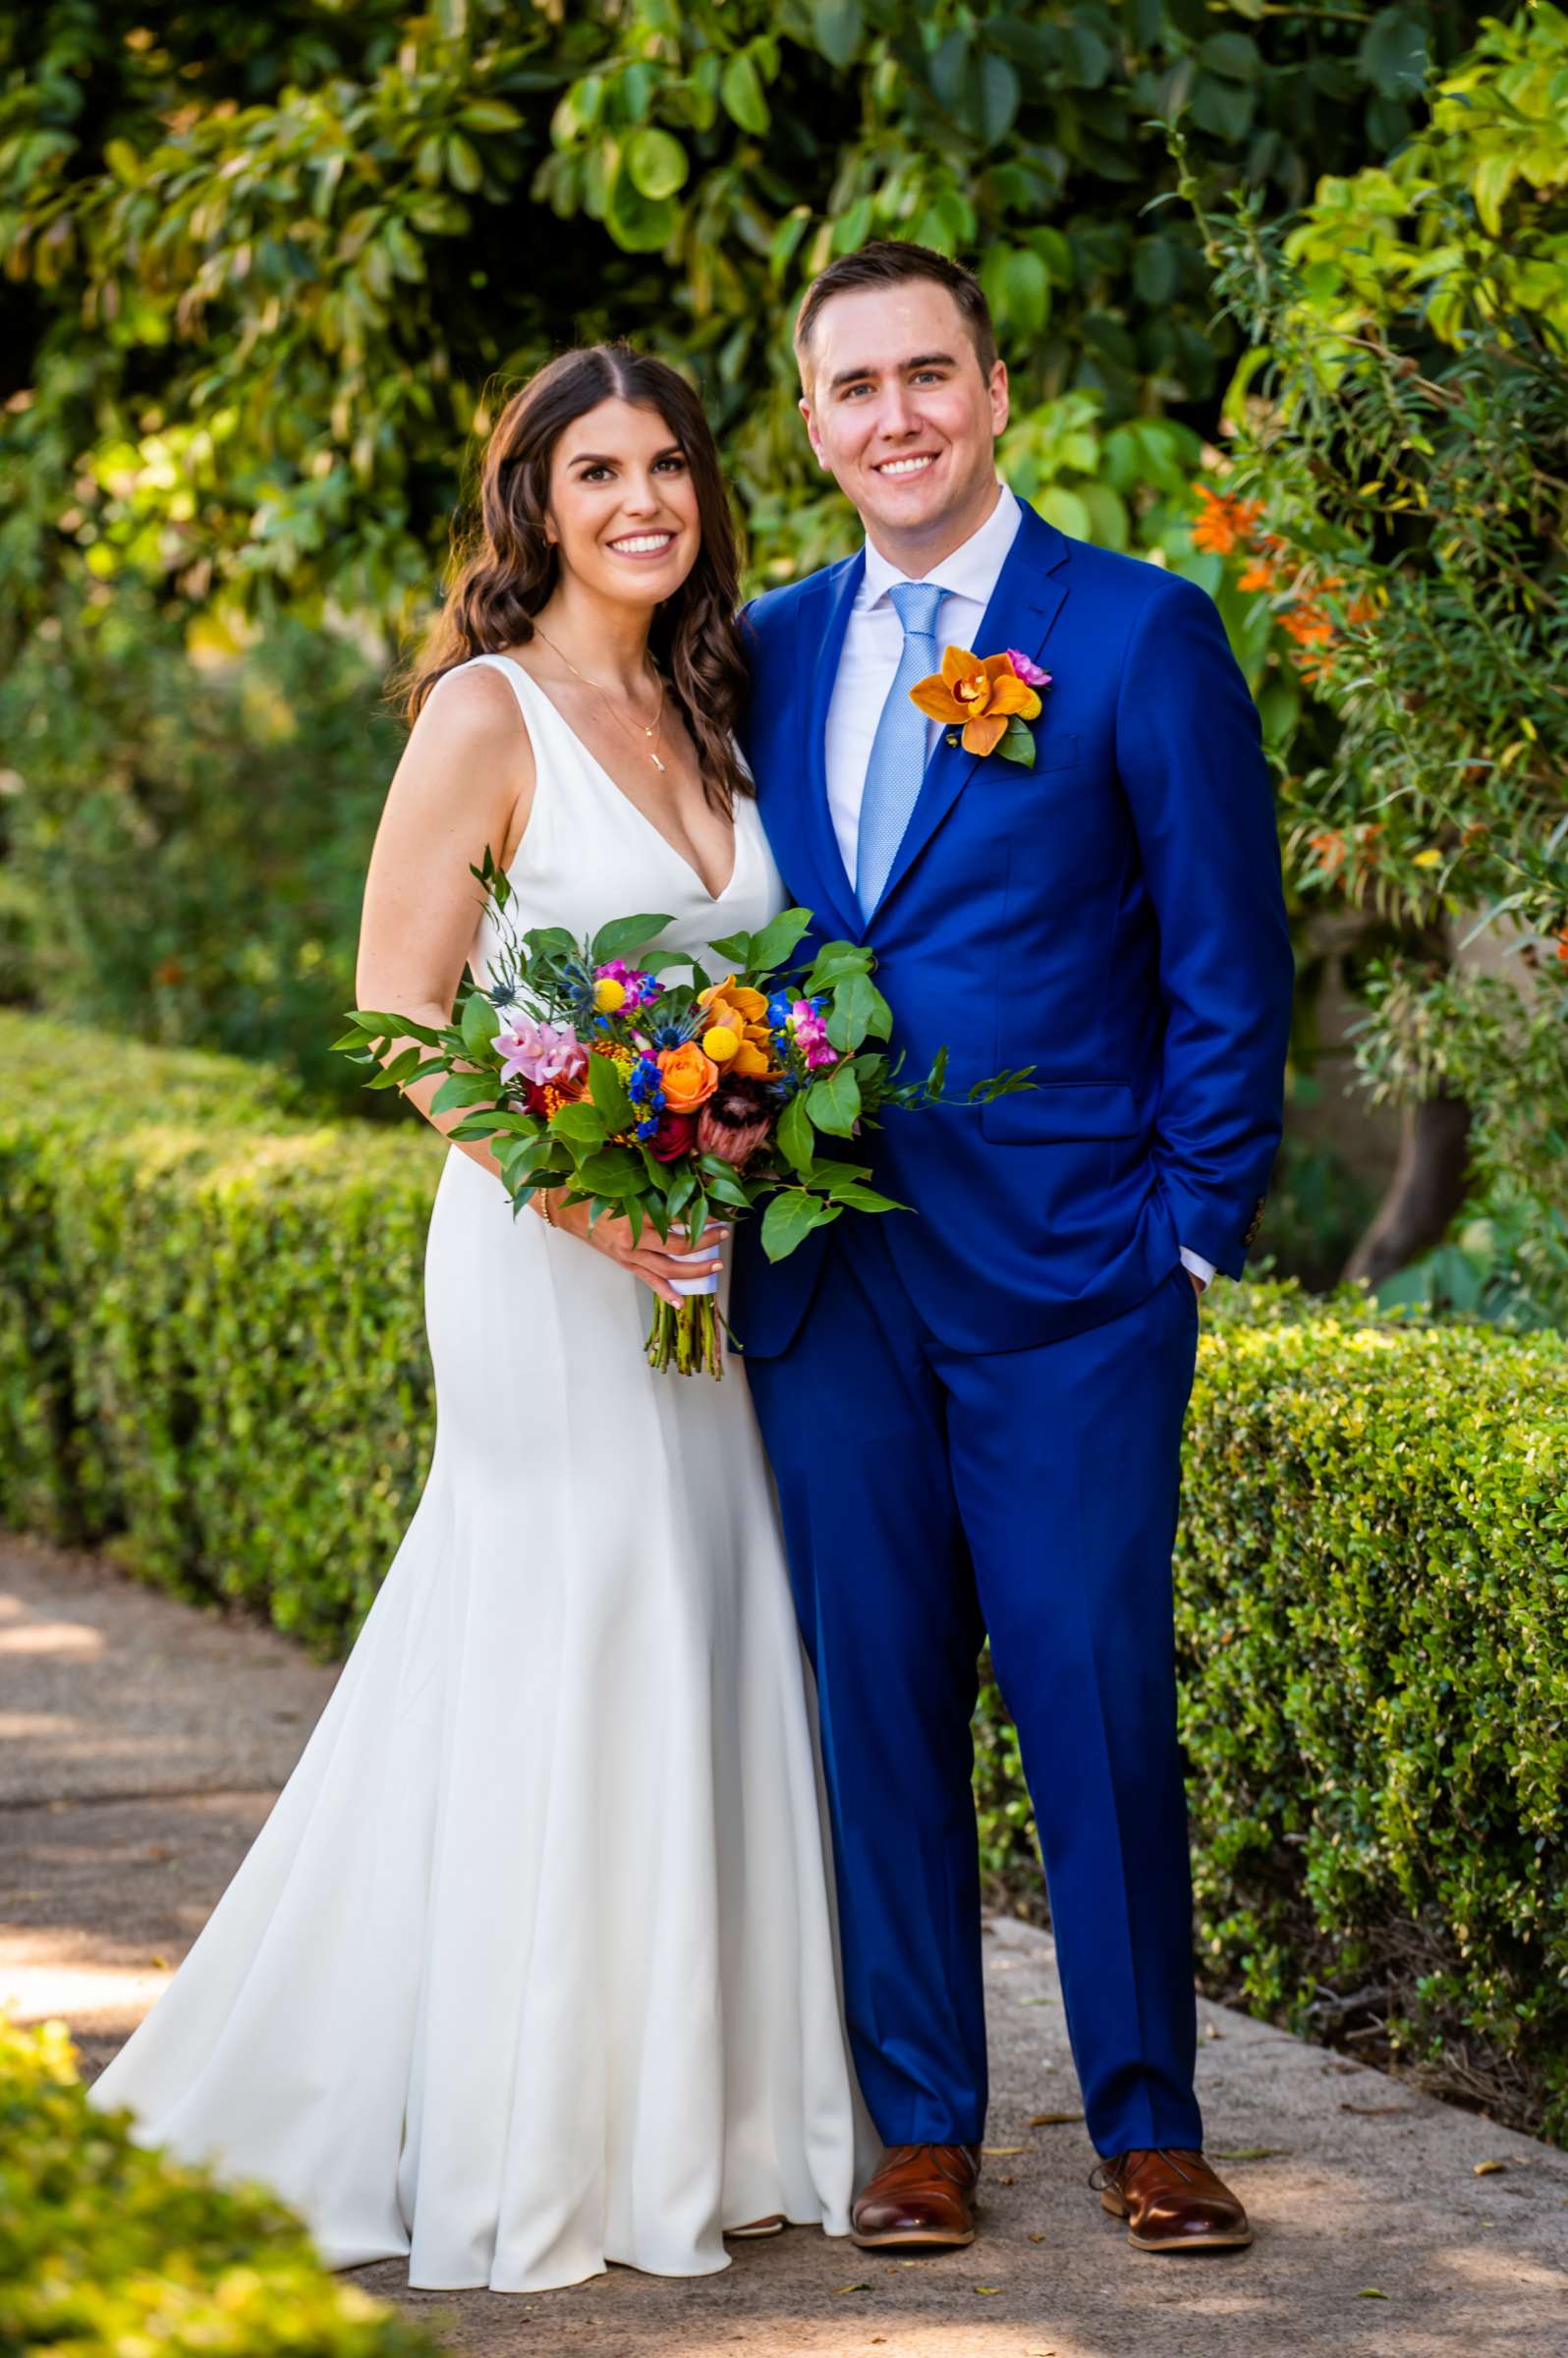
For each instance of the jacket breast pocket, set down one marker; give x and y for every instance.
(1050, 1110)
(1056, 749)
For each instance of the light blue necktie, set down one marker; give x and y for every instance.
(898, 750)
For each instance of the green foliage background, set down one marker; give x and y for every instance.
(213, 1360)
(1401, 431)
(265, 262)
(265, 272)
(108, 2250)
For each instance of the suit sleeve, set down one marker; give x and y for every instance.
(1190, 755)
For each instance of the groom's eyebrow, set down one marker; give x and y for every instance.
(921, 360)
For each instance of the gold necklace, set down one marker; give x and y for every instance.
(600, 689)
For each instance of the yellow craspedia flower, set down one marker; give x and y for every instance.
(720, 1044)
(608, 994)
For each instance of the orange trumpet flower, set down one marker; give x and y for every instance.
(983, 693)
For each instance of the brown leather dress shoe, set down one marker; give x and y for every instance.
(1172, 2202)
(920, 2195)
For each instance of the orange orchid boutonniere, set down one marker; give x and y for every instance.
(993, 696)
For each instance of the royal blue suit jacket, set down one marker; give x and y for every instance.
(1113, 917)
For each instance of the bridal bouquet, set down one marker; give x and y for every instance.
(669, 1101)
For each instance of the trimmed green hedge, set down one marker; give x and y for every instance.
(212, 1357)
(213, 1346)
(1372, 1579)
(110, 2250)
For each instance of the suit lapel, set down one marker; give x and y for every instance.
(1023, 606)
(820, 643)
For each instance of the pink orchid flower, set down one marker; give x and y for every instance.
(1028, 670)
(540, 1053)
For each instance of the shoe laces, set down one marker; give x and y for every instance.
(897, 2155)
(1124, 2166)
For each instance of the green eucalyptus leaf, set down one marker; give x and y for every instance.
(735, 950)
(796, 1137)
(479, 1022)
(857, 1010)
(854, 1196)
(790, 1219)
(622, 937)
(725, 1188)
(833, 960)
(464, 1088)
(779, 938)
(834, 1101)
(614, 1171)
(582, 1126)
(608, 1091)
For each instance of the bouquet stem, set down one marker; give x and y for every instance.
(687, 1339)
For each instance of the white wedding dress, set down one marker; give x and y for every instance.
(533, 1967)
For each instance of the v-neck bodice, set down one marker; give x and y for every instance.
(589, 854)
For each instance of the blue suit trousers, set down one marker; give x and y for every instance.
(930, 1497)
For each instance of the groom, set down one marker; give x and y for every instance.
(974, 1410)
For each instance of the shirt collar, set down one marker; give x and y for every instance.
(972, 570)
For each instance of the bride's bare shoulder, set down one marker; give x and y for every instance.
(472, 707)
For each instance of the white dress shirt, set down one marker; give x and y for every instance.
(874, 645)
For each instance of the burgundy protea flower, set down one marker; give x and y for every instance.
(736, 1120)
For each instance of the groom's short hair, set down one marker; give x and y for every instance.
(887, 262)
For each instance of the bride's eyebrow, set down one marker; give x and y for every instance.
(595, 458)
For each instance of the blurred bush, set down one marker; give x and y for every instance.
(112, 2250)
(64, 1094)
(233, 1381)
(187, 835)
(212, 1340)
(1397, 504)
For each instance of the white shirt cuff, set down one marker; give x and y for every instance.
(1203, 1270)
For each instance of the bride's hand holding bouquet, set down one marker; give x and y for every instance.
(656, 1110)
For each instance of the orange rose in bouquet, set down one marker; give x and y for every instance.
(690, 1077)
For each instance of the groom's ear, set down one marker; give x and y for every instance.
(805, 406)
(1001, 397)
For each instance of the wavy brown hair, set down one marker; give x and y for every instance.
(504, 567)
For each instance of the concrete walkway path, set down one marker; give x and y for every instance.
(142, 1745)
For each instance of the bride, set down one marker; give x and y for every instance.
(532, 1967)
